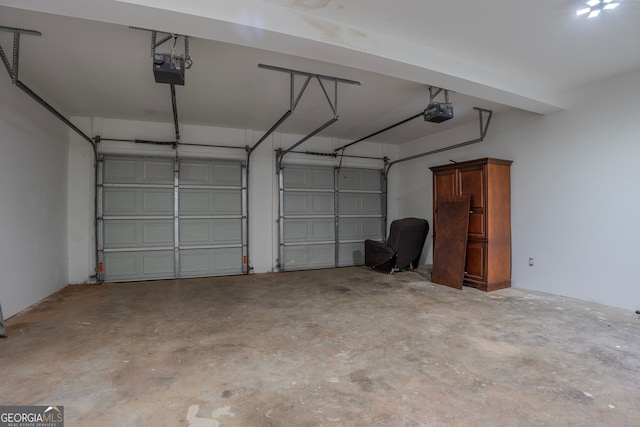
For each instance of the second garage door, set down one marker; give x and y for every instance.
(326, 214)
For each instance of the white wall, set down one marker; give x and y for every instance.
(80, 221)
(33, 201)
(575, 200)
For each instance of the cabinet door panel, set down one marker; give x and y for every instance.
(471, 180)
(444, 185)
(476, 223)
(476, 261)
(472, 183)
(449, 247)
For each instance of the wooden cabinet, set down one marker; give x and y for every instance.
(488, 182)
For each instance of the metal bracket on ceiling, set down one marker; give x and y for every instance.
(401, 122)
(484, 126)
(13, 69)
(313, 133)
(294, 99)
(433, 92)
(155, 43)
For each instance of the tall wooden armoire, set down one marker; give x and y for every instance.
(488, 182)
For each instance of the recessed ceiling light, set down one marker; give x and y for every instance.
(597, 6)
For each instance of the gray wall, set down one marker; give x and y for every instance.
(33, 200)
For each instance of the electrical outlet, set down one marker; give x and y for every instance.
(530, 262)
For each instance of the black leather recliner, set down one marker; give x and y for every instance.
(403, 247)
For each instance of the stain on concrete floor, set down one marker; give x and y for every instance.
(340, 347)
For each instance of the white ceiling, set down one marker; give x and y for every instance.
(494, 54)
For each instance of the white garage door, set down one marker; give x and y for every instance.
(326, 214)
(166, 218)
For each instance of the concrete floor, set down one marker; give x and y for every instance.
(342, 347)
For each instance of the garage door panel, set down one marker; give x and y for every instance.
(295, 203)
(207, 201)
(349, 203)
(226, 174)
(372, 228)
(138, 171)
(196, 172)
(158, 264)
(299, 203)
(308, 177)
(194, 262)
(227, 260)
(120, 170)
(122, 266)
(157, 233)
(208, 262)
(296, 230)
(227, 201)
(138, 201)
(359, 179)
(322, 230)
(192, 172)
(157, 201)
(295, 178)
(322, 204)
(210, 232)
(360, 228)
(137, 233)
(309, 256)
(195, 232)
(371, 180)
(120, 234)
(350, 228)
(371, 204)
(351, 254)
(359, 204)
(157, 171)
(139, 265)
(321, 178)
(227, 231)
(121, 201)
(322, 255)
(309, 230)
(194, 201)
(296, 257)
